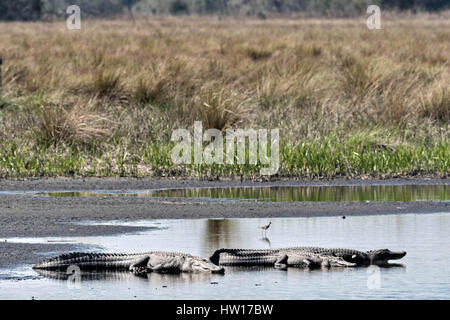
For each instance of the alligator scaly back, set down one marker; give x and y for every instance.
(103, 261)
(244, 257)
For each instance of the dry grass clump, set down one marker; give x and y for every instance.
(258, 54)
(74, 125)
(144, 93)
(355, 77)
(219, 109)
(437, 104)
(106, 83)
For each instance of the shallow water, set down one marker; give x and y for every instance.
(317, 193)
(285, 193)
(425, 273)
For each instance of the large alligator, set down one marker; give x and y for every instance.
(304, 257)
(157, 261)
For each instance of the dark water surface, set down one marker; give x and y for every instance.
(425, 273)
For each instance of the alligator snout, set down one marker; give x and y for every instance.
(397, 255)
(383, 256)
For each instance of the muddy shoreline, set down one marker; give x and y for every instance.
(28, 216)
(152, 183)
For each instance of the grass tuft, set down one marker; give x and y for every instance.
(437, 105)
(75, 125)
(219, 109)
(106, 83)
(258, 54)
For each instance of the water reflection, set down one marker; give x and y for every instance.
(218, 231)
(289, 194)
(318, 193)
(151, 278)
(266, 241)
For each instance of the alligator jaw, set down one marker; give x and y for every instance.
(398, 255)
(382, 257)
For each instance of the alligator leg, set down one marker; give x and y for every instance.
(141, 266)
(298, 261)
(325, 263)
(281, 263)
(173, 265)
(329, 261)
(312, 262)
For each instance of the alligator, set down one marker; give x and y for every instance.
(304, 257)
(138, 263)
(280, 259)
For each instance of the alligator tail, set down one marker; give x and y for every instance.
(60, 261)
(86, 261)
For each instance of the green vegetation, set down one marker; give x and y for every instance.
(325, 159)
(104, 101)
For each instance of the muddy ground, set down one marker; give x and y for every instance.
(30, 216)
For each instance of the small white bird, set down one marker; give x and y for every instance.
(265, 227)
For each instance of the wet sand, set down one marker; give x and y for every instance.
(28, 216)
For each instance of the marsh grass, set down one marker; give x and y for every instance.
(106, 83)
(104, 101)
(258, 54)
(3, 101)
(437, 104)
(219, 109)
(73, 125)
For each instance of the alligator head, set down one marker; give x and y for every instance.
(382, 256)
(204, 265)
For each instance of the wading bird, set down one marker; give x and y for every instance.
(265, 227)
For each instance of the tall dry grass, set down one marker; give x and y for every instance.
(310, 78)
